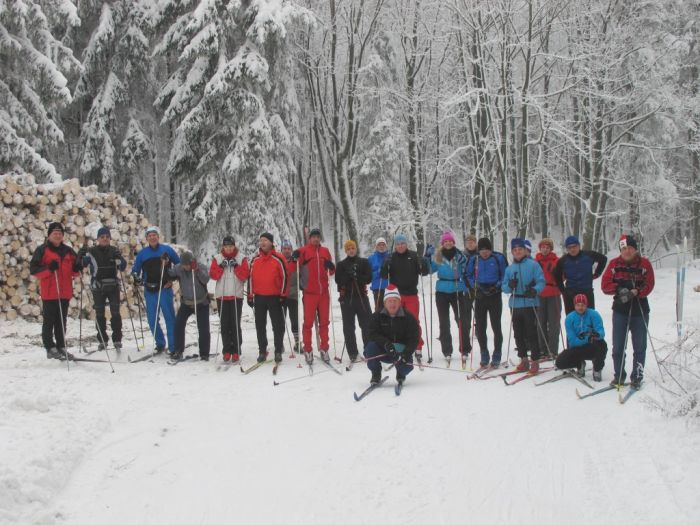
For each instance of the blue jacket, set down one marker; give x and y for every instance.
(528, 272)
(579, 327)
(148, 262)
(484, 273)
(450, 273)
(376, 261)
(578, 271)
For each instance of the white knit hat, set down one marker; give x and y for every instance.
(153, 229)
(391, 291)
(380, 239)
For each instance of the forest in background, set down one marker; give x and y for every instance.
(366, 117)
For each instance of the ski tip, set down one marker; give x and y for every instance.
(354, 394)
(275, 383)
(505, 381)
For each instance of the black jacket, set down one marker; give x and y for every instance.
(104, 261)
(403, 328)
(403, 269)
(360, 267)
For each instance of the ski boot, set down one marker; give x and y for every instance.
(309, 356)
(400, 378)
(101, 347)
(262, 356)
(53, 353)
(118, 346)
(534, 367)
(618, 382)
(204, 357)
(581, 370)
(524, 365)
(324, 355)
(176, 356)
(636, 383)
(278, 357)
(376, 377)
(235, 358)
(597, 376)
(227, 357)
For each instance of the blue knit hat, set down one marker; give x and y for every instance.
(286, 243)
(400, 237)
(518, 242)
(104, 231)
(571, 239)
(528, 245)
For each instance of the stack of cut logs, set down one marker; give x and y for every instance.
(26, 209)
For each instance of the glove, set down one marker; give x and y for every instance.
(513, 283)
(193, 265)
(429, 251)
(624, 294)
(85, 260)
(406, 359)
(53, 266)
(391, 350)
(295, 255)
(595, 336)
(224, 263)
(583, 335)
(530, 291)
(137, 279)
(82, 252)
(121, 265)
(328, 265)
(165, 257)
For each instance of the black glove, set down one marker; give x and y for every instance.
(295, 255)
(137, 279)
(513, 283)
(328, 265)
(53, 266)
(82, 252)
(165, 257)
(530, 291)
(224, 263)
(391, 350)
(429, 251)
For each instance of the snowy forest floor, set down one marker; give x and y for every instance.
(189, 444)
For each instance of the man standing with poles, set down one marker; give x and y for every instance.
(194, 299)
(230, 270)
(575, 271)
(630, 279)
(315, 265)
(150, 270)
(352, 276)
(55, 264)
(104, 260)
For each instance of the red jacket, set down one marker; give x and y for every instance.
(548, 264)
(637, 274)
(314, 275)
(268, 275)
(68, 268)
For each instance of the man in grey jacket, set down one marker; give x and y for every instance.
(193, 296)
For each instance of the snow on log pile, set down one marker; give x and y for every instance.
(26, 209)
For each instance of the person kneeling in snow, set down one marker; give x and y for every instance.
(194, 299)
(393, 334)
(585, 336)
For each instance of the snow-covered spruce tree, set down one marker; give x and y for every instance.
(33, 87)
(232, 103)
(112, 95)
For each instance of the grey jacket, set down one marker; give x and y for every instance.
(201, 278)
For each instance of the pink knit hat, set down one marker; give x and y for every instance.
(447, 236)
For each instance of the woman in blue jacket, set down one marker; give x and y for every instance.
(376, 261)
(585, 337)
(450, 264)
(524, 280)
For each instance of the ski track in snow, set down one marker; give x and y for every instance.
(190, 444)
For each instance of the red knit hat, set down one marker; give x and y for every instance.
(581, 299)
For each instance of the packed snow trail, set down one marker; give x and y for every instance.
(181, 445)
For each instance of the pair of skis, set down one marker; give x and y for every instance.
(373, 386)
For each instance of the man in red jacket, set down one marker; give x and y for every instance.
(55, 265)
(549, 310)
(630, 279)
(268, 287)
(316, 264)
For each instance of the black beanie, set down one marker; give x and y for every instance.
(56, 226)
(268, 236)
(228, 241)
(484, 244)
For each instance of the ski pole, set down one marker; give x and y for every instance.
(544, 336)
(196, 317)
(139, 305)
(297, 378)
(342, 353)
(425, 315)
(80, 315)
(60, 312)
(430, 302)
(128, 307)
(157, 312)
(219, 307)
(624, 349)
(653, 349)
(330, 307)
(510, 333)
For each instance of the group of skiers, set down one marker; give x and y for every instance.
(469, 281)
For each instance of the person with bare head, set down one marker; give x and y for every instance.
(376, 261)
(549, 310)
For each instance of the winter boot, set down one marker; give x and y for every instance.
(524, 365)
(262, 356)
(636, 384)
(618, 382)
(53, 353)
(597, 376)
(581, 371)
(160, 349)
(227, 357)
(376, 377)
(176, 356)
(204, 357)
(324, 356)
(534, 367)
(278, 357)
(309, 356)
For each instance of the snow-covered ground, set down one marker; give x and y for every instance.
(155, 444)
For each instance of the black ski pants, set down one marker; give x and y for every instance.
(271, 304)
(351, 308)
(231, 333)
(183, 314)
(462, 308)
(491, 306)
(525, 332)
(291, 308)
(574, 357)
(51, 325)
(100, 299)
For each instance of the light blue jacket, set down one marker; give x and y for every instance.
(579, 327)
(450, 273)
(528, 273)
